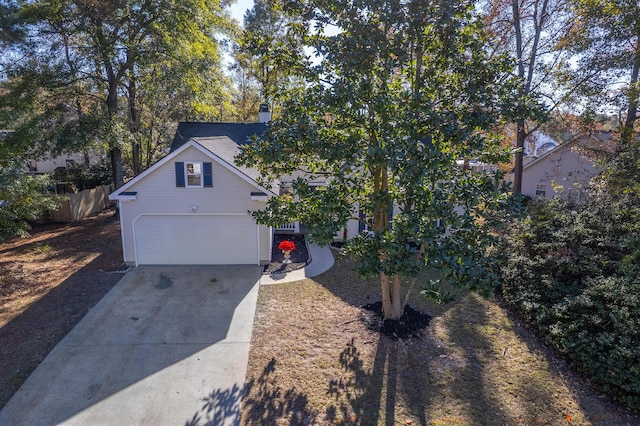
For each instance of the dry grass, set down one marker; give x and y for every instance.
(48, 282)
(313, 361)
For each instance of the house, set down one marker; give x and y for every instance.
(193, 206)
(49, 163)
(566, 169)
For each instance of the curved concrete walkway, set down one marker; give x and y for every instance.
(321, 261)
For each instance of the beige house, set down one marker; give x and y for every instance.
(565, 170)
(49, 163)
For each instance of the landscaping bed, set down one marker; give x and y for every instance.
(299, 257)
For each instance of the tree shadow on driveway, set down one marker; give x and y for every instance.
(151, 350)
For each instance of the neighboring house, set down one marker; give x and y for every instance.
(58, 167)
(48, 163)
(193, 206)
(566, 169)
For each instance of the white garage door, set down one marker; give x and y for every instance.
(196, 240)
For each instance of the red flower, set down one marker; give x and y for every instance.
(286, 245)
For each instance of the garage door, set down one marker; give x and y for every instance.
(196, 240)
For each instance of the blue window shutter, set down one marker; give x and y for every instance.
(207, 175)
(360, 223)
(179, 174)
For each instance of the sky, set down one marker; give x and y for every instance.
(239, 7)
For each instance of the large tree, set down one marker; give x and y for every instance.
(393, 102)
(530, 31)
(606, 40)
(268, 48)
(83, 65)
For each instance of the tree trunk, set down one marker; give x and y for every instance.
(520, 139)
(134, 124)
(115, 155)
(634, 94)
(391, 300)
(521, 135)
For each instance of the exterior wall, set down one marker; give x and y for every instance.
(49, 164)
(157, 193)
(353, 226)
(565, 168)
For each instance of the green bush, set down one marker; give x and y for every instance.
(89, 177)
(574, 274)
(23, 198)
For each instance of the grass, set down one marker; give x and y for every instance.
(313, 361)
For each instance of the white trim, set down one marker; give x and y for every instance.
(186, 174)
(133, 227)
(258, 243)
(270, 242)
(191, 143)
(230, 167)
(122, 232)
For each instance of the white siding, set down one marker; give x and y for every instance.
(157, 193)
(353, 225)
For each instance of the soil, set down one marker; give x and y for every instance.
(299, 257)
(48, 283)
(411, 324)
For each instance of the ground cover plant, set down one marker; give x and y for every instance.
(316, 360)
(574, 276)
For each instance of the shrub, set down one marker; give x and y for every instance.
(92, 176)
(573, 273)
(23, 198)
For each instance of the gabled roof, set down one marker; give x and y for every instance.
(226, 149)
(240, 133)
(595, 141)
(220, 149)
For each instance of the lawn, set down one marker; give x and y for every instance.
(314, 360)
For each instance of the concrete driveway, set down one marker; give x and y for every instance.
(168, 345)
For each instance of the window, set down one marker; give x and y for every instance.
(541, 189)
(194, 175)
(193, 171)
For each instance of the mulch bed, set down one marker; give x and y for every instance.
(299, 257)
(411, 324)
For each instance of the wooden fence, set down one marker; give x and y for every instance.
(82, 204)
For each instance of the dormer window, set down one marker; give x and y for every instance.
(193, 172)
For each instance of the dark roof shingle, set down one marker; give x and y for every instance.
(240, 133)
